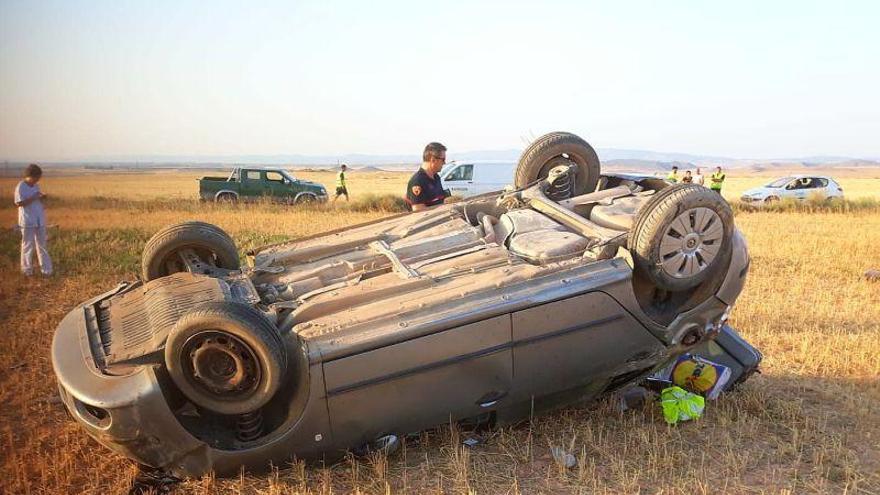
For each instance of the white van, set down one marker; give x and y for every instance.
(472, 178)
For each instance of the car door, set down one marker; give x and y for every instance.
(279, 186)
(803, 187)
(412, 385)
(822, 188)
(252, 183)
(577, 344)
(460, 181)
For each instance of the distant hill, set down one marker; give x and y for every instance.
(612, 159)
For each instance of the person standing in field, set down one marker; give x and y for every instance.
(425, 189)
(687, 179)
(341, 186)
(32, 222)
(698, 178)
(717, 180)
(673, 175)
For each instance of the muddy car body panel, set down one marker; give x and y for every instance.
(504, 305)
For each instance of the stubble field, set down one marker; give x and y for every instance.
(810, 423)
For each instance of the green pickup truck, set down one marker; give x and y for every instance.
(245, 184)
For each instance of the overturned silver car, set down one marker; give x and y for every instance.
(570, 286)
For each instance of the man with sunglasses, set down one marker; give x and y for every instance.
(425, 188)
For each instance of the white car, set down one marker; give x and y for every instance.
(472, 178)
(800, 187)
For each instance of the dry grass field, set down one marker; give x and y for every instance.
(810, 423)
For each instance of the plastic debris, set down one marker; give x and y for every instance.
(698, 375)
(872, 275)
(680, 405)
(471, 441)
(563, 458)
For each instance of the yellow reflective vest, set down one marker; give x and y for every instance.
(672, 177)
(340, 179)
(717, 180)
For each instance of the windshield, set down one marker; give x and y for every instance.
(779, 182)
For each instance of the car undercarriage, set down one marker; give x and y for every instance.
(566, 287)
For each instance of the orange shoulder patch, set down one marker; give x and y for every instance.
(416, 190)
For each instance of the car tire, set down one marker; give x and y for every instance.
(212, 244)
(553, 149)
(771, 199)
(306, 199)
(226, 357)
(681, 235)
(228, 198)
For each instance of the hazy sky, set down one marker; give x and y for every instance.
(745, 79)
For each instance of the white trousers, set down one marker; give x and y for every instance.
(34, 239)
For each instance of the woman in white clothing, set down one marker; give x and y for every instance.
(32, 222)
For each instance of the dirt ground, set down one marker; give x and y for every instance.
(810, 423)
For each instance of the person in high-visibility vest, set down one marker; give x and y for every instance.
(341, 188)
(717, 180)
(673, 175)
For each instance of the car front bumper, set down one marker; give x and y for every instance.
(132, 413)
(128, 414)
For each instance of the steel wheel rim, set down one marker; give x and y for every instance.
(691, 243)
(221, 365)
(172, 263)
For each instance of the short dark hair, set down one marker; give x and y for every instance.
(674, 167)
(432, 150)
(343, 166)
(33, 170)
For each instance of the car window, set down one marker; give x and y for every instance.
(779, 182)
(252, 175)
(274, 176)
(463, 172)
(820, 182)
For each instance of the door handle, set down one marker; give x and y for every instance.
(491, 398)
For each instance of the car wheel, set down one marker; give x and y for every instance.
(226, 198)
(771, 199)
(305, 199)
(162, 253)
(226, 357)
(680, 235)
(559, 149)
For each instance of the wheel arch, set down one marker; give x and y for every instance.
(225, 191)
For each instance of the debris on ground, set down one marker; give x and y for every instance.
(18, 365)
(563, 458)
(872, 275)
(680, 405)
(698, 375)
(471, 441)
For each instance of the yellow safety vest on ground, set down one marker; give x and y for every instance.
(680, 405)
(672, 177)
(340, 179)
(717, 181)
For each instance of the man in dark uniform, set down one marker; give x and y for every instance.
(425, 188)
